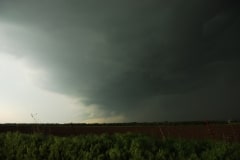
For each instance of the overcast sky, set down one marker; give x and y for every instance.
(119, 61)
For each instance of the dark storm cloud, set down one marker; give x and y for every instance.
(150, 60)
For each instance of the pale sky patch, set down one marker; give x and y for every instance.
(20, 96)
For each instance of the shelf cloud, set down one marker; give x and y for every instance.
(141, 60)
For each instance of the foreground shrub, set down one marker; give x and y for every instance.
(17, 146)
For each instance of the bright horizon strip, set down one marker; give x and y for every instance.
(20, 96)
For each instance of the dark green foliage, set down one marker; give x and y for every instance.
(17, 146)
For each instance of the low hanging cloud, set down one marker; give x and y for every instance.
(148, 60)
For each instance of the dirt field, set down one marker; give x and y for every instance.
(229, 132)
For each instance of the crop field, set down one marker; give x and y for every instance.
(19, 146)
(133, 141)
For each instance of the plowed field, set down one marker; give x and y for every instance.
(229, 132)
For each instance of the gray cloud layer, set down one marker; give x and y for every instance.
(149, 60)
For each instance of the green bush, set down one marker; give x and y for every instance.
(18, 146)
